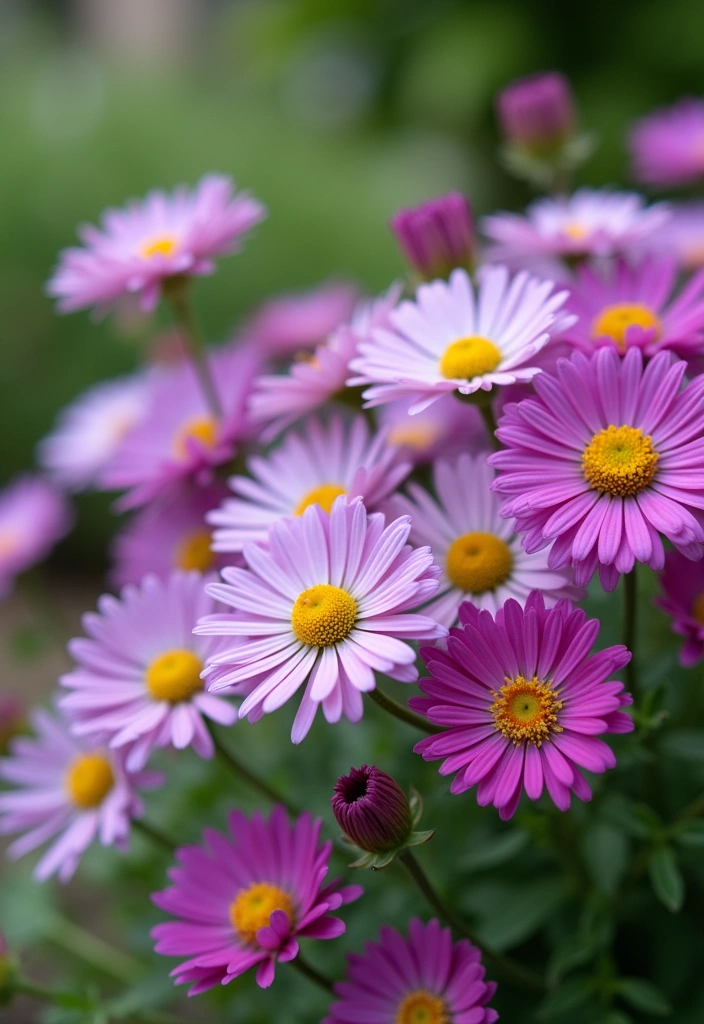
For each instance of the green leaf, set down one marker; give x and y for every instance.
(616, 1017)
(498, 849)
(689, 833)
(684, 744)
(511, 913)
(666, 878)
(567, 997)
(605, 849)
(643, 995)
(573, 952)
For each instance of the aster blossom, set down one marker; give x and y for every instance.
(312, 467)
(682, 237)
(141, 246)
(137, 681)
(69, 791)
(523, 702)
(445, 428)
(425, 977)
(667, 146)
(296, 322)
(480, 552)
(244, 900)
(606, 458)
(682, 598)
(457, 338)
(326, 603)
(34, 515)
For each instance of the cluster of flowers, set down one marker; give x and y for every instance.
(258, 566)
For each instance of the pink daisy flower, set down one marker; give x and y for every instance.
(682, 237)
(279, 400)
(327, 603)
(244, 900)
(70, 790)
(605, 458)
(587, 223)
(289, 324)
(524, 703)
(481, 554)
(425, 978)
(445, 428)
(667, 146)
(34, 515)
(682, 582)
(311, 468)
(89, 431)
(138, 678)
(635, 305)
(147, 242)
(178, 438)
(169, 534)
(454, 337)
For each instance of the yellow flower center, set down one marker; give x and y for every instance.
(89, 779)
(193, 551)
(526, 710)
(419, 437)
(163, 245)
(323, 615)
(698, 609)
(574, 230)
(469, 357)
(201, 428)
(324, 496)
(620, 461)
(615, 320)
(174, 676)
(478, 561)
(422, 1007)
(254, 906)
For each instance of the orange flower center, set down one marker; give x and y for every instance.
(202, 429)
(469, 357)
(698, 609)
(162, 245)
(89, 779)
(422, 1007)
(614, 321)
(174, 676)
(324, 495)
(526, 710)
(477, 562)
(193, 551)
(254, 906)
(620, 461)
(323, 615)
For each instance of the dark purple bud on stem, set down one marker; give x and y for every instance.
(538, 112)
(372, 810)
(437, 236)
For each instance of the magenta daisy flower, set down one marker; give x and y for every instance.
(34, 515)
(68, 789)
(89, 431)
(290, 324)
(524, 703)
(445, 428)
(327, 603)
(311, 468)
(683, 600)
(168, 534)
(279, 400)
(587, 223)
(147, 242)
(244, 900)
(480, 553)
(454, 337)
(423, 979)
(603, 460)
(635, 305)
(178, 438)
(667, 146)
(138, 682)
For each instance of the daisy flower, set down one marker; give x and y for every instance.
(423, 979)
(445, 428)
(289, 324)
(682, 599)
(327, 604)
(523, 703)
(682, 237)
(68, 791)
(588, 223)
(635, 305)
(279, 400)
(310, 468)
(454, 337)
(89, 431)
(178, 438)
(603, 460)
(139, 247)
(667, 146)
(169, 534)
(481, 554)
(138, 682)
(34, 515)
(244, 900)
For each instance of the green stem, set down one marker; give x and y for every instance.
(94, 951)
(487, 411)
(314, 975)
(263, 787)
(630, 601)
(154, 835)
(522, 975)
(42, 993)
(177, 291)
(404, 714)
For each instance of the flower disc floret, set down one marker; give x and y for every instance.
(89, 779)
(323, 615)
(175, 676)
(479, 561)
(253, 907)
(422, 1007)
(526, 709)
(201, 429)
(193, 551)
(469, 357)
(620, 461)
(324, 495)
(614, 321)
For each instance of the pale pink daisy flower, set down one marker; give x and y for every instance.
(292, 323)
(455, 337)
(445, 428)
(90, 430)
(327, 603)
(70, 789)
(480, 552)
(145, 243)
(313, 467)
(138, 682)
(34, 515)
(178, 437)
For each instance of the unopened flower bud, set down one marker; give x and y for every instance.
(437, 236)
(372, 810)
(537, 113)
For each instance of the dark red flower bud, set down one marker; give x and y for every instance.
(372, 809)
